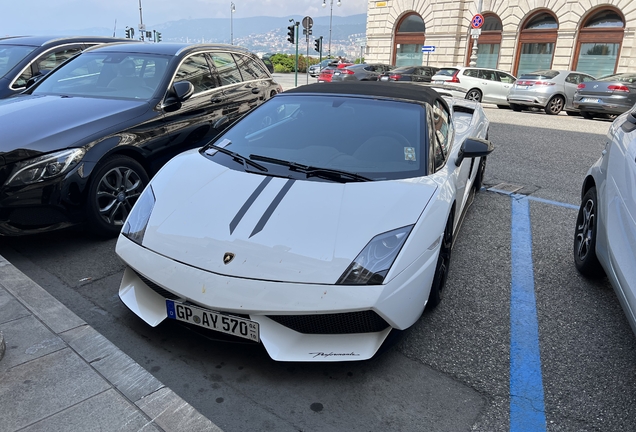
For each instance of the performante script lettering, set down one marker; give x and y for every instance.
(333, 354)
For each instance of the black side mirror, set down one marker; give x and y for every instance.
(472, 148)
(180, 92)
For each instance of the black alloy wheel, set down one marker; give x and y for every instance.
(585, 258)
(555, 105)
(474, 95)
(515, 107)
(441, 268)
(114, 190)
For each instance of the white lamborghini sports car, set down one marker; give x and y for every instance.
(317, 225)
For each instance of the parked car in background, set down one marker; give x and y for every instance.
(550, 90)
(607, 96)
(361, 72)
(326, 74)
(80, 144)
(283, 228)
(410, 73)
(605, 231)
(26, 57)
(268, 62)
(314, 70)
(481, 84)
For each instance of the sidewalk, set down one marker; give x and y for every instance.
(58, 373)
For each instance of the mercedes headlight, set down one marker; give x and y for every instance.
(44, 167)
(372, 264)
(135, 226)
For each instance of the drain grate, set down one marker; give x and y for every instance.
(507, 188)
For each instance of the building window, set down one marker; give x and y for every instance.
(408, 40)
(536, 43)
(599, 43)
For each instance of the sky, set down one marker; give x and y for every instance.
(45, 15)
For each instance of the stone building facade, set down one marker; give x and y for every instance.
(594, 36)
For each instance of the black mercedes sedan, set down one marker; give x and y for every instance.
(80, 145)
(26, 57)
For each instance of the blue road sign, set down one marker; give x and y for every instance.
(428, 48)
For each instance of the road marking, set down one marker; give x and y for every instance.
(527, 410)
(556, 203)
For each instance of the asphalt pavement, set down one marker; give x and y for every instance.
(58, 373)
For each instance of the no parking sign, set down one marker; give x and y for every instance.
(477, 21)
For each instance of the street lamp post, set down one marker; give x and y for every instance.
(232, 10)
(324, 4)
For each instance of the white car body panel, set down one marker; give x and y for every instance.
(615, 178)
(302, 242)
(291, 265)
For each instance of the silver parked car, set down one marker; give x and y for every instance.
(361, 72)
(607, 96)
(605, 232)
(551, 90)
(480, 84)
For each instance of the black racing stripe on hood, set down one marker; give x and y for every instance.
(248, 204)
(270, 210)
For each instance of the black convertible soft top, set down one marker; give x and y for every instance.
(408, 91)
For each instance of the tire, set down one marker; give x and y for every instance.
(515, 107)
(115, 187)
(441, 268)
(555, 105)
(474, 95)
(585, 258)
(587, 115)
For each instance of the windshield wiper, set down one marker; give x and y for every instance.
(235, 156)
(328, 173)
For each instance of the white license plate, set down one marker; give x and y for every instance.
(384, 78)
(228, 324)
(592, 100)
(523, 87)
(336, 73)
(438, 82)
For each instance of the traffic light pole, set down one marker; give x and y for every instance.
(296, 73)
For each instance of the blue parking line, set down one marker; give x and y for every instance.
(556, 203)
(527, 410)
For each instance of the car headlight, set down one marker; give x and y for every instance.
(372, 264)
(45, 167)
(135, 226)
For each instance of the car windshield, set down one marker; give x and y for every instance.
(11, 55)
(446, 71)
(543, 75)
(107, 75)
(626, 78)
(375, 138)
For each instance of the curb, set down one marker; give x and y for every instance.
(142, 390)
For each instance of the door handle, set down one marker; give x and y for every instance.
(255, 91)
(216, 100)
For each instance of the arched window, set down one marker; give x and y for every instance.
(408, 40)
(599, 43)
(488, 43)
(536, 43)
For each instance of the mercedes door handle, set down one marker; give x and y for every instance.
(256, 91)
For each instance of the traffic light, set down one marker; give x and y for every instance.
(318, 45)
(291, 34)
(157, 36)
(130, 32)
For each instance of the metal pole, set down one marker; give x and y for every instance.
(330, 18)
(232, 9)
(296, 73)
(141, 22)
(307, 58)
(473, 56)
